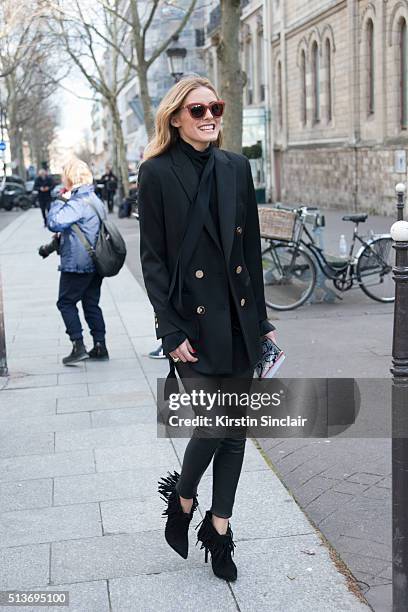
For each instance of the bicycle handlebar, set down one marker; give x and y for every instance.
(310, 214)
(318, 219)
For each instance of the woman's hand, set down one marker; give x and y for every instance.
(184, 352)
(271, 335)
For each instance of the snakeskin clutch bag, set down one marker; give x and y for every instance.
(271, 360)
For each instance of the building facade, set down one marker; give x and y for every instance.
(338, 83)
(326, 100)
(99, 143)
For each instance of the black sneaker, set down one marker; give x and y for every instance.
(158, 353)
(77, 354)
(99, 352)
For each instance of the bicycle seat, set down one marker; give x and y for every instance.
(355, 218)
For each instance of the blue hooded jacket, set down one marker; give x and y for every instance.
(61, 217)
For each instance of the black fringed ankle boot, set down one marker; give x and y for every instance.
(178, 521)
(220, 546)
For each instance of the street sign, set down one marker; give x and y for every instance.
(400, 162)
(2, 145)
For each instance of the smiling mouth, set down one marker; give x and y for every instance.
(208, 127)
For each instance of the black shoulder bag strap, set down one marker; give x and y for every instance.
(81, 235)
(83, 239)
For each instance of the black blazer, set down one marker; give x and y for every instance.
(167, 187)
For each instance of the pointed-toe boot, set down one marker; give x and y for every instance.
(178, 521)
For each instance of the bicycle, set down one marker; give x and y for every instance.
(292, 259)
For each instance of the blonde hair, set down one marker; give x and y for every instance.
(165, 133)
(77, 172)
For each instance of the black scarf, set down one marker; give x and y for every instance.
(196, 216)
(199, 159)
(205, 201)
(204, 162)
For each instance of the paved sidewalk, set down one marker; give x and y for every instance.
(80, 459)
(343, 485)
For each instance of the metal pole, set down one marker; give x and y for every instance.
(399, 233)
(3, 353)
(400, 189)
(2, 122)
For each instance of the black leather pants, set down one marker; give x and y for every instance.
(224, 445)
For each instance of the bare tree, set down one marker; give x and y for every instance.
(28, 67)
(27, 87)
(86, 46)
(135, 55)
(41, 131)
(15, 33)
(232, 77)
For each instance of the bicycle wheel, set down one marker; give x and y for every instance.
(374, 270)
(289, 276)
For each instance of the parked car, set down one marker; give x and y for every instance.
(13, 193)
(14, 178)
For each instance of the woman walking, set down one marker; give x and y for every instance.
(76, 218)
(201, 261)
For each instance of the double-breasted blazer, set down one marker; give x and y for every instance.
(168, 185)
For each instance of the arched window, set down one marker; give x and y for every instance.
(303, 106)
(403, 76)
(249, 66)
(329, 81)
(370, 67)
(261, 66)
(316, 82)
(280, 105)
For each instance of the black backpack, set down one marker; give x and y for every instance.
(109, 253)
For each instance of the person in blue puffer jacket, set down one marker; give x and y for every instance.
(79, 281)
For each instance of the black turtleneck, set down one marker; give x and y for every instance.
(198, 158)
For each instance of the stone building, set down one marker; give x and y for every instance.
(326, 98)
(99, 137)
(338, 82)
